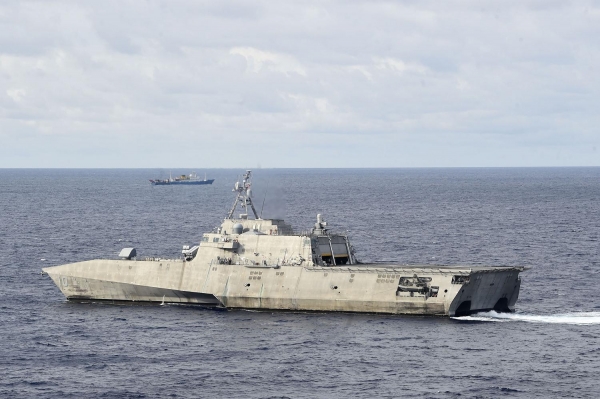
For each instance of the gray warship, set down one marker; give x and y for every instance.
(255, 263)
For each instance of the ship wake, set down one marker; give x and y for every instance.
(580, 318)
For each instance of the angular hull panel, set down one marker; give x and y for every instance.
(77, 288)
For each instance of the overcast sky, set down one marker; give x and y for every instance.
(299, 84)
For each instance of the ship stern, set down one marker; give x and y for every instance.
(487, 290)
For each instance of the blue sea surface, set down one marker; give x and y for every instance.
(544, 218)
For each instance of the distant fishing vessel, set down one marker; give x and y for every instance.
(192, 178)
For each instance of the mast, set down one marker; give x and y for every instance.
(244, 196)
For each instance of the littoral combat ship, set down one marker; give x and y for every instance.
(263, 264)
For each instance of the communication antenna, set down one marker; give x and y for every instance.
(244, 196)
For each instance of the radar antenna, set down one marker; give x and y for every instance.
(244, 196)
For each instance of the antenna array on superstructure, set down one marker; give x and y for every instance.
(244, 196)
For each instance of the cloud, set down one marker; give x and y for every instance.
(398, 66)
(258, 59)
(386, 83)
(16, 94)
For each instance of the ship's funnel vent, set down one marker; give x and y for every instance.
(238, 228)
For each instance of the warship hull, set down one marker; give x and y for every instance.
(263, 264)
(365, 288)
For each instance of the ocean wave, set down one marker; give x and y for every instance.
(579, 318)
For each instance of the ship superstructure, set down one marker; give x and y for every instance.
(257, 263)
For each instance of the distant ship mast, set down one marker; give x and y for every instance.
(244, 196)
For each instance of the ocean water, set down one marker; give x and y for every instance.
(546, 218)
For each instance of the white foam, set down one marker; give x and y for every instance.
(564, 318)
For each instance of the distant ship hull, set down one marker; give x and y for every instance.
(184, 182)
